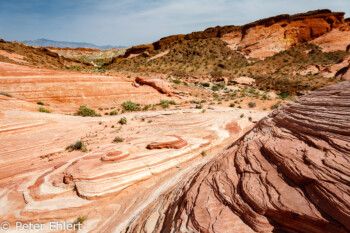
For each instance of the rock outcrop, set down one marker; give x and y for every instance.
(36, 57)
(66, 91)
(269, 36)
(344, 74)
(336, 70)
(290, 173)
(158, 84)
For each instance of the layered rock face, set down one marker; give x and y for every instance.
(266, 37)
(290, 173)
(66, 91)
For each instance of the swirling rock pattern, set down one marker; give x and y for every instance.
(176, 144)
(111, 182)
(290, 173)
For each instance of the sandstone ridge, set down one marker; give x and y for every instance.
(290, 173)
(287, 30)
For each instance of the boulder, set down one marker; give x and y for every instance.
(244, 81)
(158, 84)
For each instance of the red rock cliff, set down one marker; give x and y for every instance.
(255, 39)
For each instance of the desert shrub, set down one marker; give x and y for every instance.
(114, 112)
(78, 222)
(252, 104)
(130, 106)
(118, 139)
(265, 97)
(284, 94)
(205, 84)
(85, 111)
(242, 115)
(123, 121)
(215, 88)
(146, 107)
(203, 153)
(232, 105)
(199, 106)
(42, 109)
(250, 118)
(216, 73)
(195, 101)
(166, 103)
(176, 81)
(276, 105)
(78, 145)
(39, 103)
(75, 68)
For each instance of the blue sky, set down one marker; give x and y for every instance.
(131, 22)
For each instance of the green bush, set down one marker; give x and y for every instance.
(199, 106)
(85, 111)
(75, 68)
(276, 105)
(252, 104)
(166, 103)
(130, 106)
(242, 115)
(215, 88)
(232, 105)
(118, 139)
(41, 109)
(123, 121)
(176, 81)
(39, 103)
(284, 95)
(114, 112)
(78, 145)
(78, 222)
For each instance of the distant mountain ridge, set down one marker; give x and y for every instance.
(63, 44)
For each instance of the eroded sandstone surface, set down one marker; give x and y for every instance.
(290, 173)
(66, 91)
(110, 182)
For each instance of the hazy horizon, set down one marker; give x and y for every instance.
(131, 22)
